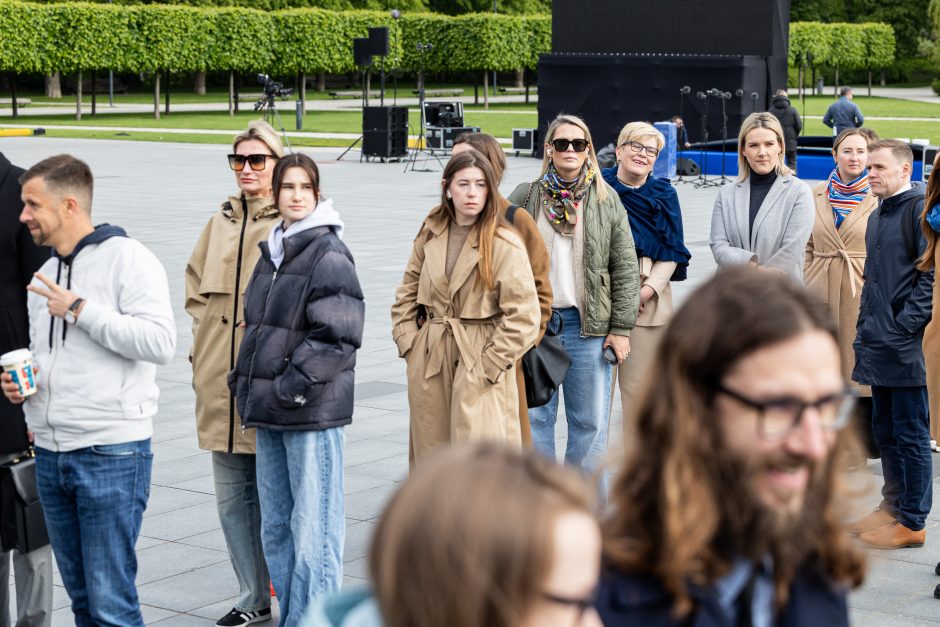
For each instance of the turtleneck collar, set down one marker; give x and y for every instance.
(763, 179)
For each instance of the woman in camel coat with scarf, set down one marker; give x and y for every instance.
(461, 361)
(835, 254)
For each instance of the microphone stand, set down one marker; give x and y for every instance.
(682, 92)
(702, 180)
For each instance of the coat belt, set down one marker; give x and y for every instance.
(854, 276)
(439, 325)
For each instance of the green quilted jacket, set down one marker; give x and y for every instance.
(612, 275)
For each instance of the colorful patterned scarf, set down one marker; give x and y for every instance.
(560, 197)
(843, 197)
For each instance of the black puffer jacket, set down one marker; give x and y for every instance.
(295, 368)
(789, 119)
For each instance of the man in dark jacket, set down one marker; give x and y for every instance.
(843, 113)
(895, 308)
(790, 121)
(19, 257)
(727, 511)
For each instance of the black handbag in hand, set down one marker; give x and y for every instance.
(544, 367)
(22, 525)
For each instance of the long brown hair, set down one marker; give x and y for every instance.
(671, 501)
(467, 541)
(490, 217)
(487, 146)
(932, 198)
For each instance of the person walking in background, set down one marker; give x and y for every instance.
(216, 279)
(843, 114)
(833, 268)
(595, 285)
(100, 320)
(656, 224)
(293, 383)
(524, 226)
(728, 511)
(790, 122)
(895, 308)
(20, 257)
(930, 224)
(470, 280)
(479, 536)
(764, 218)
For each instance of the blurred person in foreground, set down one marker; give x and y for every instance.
(479, 536)
(729, 511)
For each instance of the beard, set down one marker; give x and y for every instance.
(752, 529)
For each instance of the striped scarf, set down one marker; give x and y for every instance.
(843, 197)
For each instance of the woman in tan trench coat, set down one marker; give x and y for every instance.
(216, 278)
(835, 253)
(471, 276)
(930, 224)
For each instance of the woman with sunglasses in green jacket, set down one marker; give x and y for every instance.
(595, 284)
(216, 278)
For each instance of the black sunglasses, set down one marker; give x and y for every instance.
(237, 162)
(561, 145)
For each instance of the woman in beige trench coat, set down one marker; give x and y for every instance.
(469, 277)
(835, 253)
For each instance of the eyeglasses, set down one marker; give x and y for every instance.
(561, 145)
(257, 162)
(582, 605)
(777, 418)
(637, 147)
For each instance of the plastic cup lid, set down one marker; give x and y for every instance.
(15, 357)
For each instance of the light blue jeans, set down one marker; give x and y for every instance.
(236, 497)
(587, 399)
(94, 500)
(303, 524)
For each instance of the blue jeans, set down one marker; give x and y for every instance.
(303, 524)
(236, 497)
(900, 422)
(94, 499)
(587, 399)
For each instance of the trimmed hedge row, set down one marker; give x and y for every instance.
(853, 46)
(74, 36)
(68, 37)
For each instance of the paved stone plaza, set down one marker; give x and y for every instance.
(163, 194)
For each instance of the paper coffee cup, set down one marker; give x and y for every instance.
(19, 364)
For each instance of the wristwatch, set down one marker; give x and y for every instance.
(71, 315)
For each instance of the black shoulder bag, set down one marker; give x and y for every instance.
(544, 366)
(22, 525)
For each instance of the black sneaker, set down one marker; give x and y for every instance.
(237, 617)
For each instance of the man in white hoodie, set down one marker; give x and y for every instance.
(100, 320)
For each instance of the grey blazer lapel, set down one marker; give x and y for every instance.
(780, 186)
(741, 209)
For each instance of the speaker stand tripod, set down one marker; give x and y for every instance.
(422, 143)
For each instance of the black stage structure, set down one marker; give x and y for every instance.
(615, 61)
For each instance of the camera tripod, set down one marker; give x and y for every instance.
(272, 116)
(422, 143)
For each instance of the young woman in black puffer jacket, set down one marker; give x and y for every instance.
(293, 381)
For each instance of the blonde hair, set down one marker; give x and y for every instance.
(637, 130)
(770, 122)
(264, 133)
(600, 188)
(467, 540)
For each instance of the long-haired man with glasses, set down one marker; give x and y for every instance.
(895, 308)
(216, 278)
(728, 510)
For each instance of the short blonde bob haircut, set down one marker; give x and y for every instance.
(264, 133)
(761, 120)
(638, 130)
(600, 187)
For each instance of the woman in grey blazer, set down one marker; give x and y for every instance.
(764, 218)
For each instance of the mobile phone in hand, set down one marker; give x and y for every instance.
(610, 355)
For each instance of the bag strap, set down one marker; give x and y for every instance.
(511, 213)
(525, 201)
